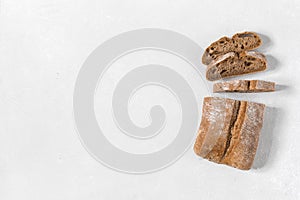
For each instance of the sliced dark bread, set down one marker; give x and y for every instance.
(240, 42)
(246, 41)
(235, 64)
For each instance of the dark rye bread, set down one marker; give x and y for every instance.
(244, 86)
(239, 42)
(229, 131)
(235, 64)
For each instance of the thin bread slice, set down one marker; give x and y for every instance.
(236, 64)
(240, 42)
(246, 41)
(244, 86)
(229, 131)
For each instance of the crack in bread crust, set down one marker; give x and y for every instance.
(237, 128)
(236, 137)
(229, 131)
(231, 126)
(248, 85)
(212, 134)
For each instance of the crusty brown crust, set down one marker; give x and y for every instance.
(236, 64)
(244, 86)
(215, 124)
(240, 42)
(262, 86)
(229, 131)
(243, 144)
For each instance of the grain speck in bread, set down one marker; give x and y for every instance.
(229, 131)
(244, 86)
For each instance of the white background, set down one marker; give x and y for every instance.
(42, 46)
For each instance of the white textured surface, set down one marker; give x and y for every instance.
(42, 46)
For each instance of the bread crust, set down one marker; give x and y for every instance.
(244, 142)
(215, 124)
(246, 86)
(235, 128)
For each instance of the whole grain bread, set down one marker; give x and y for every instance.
(235, 64)
(244, 86)
(229, 131)
(239, 42)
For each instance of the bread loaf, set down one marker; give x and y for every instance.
(229, 131)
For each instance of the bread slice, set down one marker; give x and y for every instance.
(240, 42)
(246, 41)
(229, 131)
(235, 64)
(244, 86)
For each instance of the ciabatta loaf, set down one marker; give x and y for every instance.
(229, 131)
